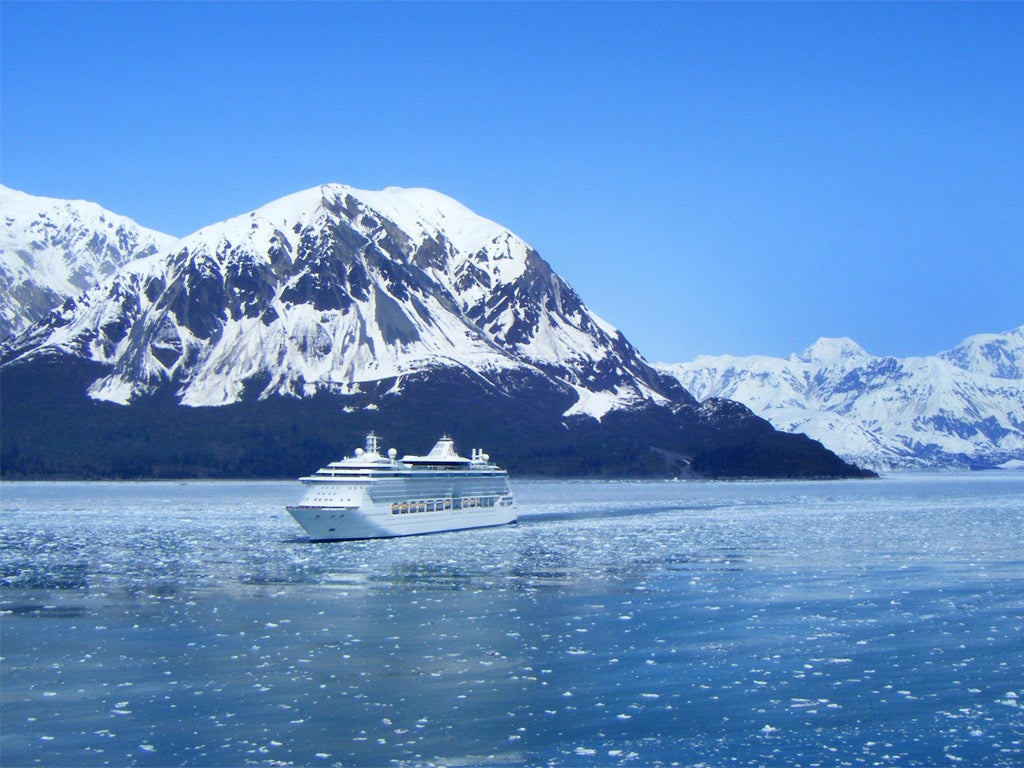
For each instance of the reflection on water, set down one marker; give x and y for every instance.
(633, 508)
(868, 623)
(41, 610)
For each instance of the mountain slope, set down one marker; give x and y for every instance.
(334, 287)
(962, 408)
(337, 309)
(998, 355)
(51, 250)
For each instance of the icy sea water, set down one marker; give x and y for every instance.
(629, 623)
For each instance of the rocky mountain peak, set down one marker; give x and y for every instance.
(828, 350)
(334, 287)
(1000, 355)
(51, 250)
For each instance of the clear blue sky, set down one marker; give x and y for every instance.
(712, 178)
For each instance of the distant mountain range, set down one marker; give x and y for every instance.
(262, 345)
(961, 408)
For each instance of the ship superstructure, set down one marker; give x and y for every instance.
(370, 495)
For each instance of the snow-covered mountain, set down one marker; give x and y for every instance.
(335, 287)
(257, 345)
(961, 408)
(51, 250)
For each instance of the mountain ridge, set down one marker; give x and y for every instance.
(959, 408)
(52, 250)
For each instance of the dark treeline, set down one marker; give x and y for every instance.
(50, 430)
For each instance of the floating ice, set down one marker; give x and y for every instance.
(229, 633)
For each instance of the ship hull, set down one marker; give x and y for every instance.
(378, 521)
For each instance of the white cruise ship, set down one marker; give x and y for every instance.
(370, 496)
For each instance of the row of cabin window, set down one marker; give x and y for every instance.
(436, 505)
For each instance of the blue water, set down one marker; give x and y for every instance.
(623, 623)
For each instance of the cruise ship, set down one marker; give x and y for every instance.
(369, 495)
